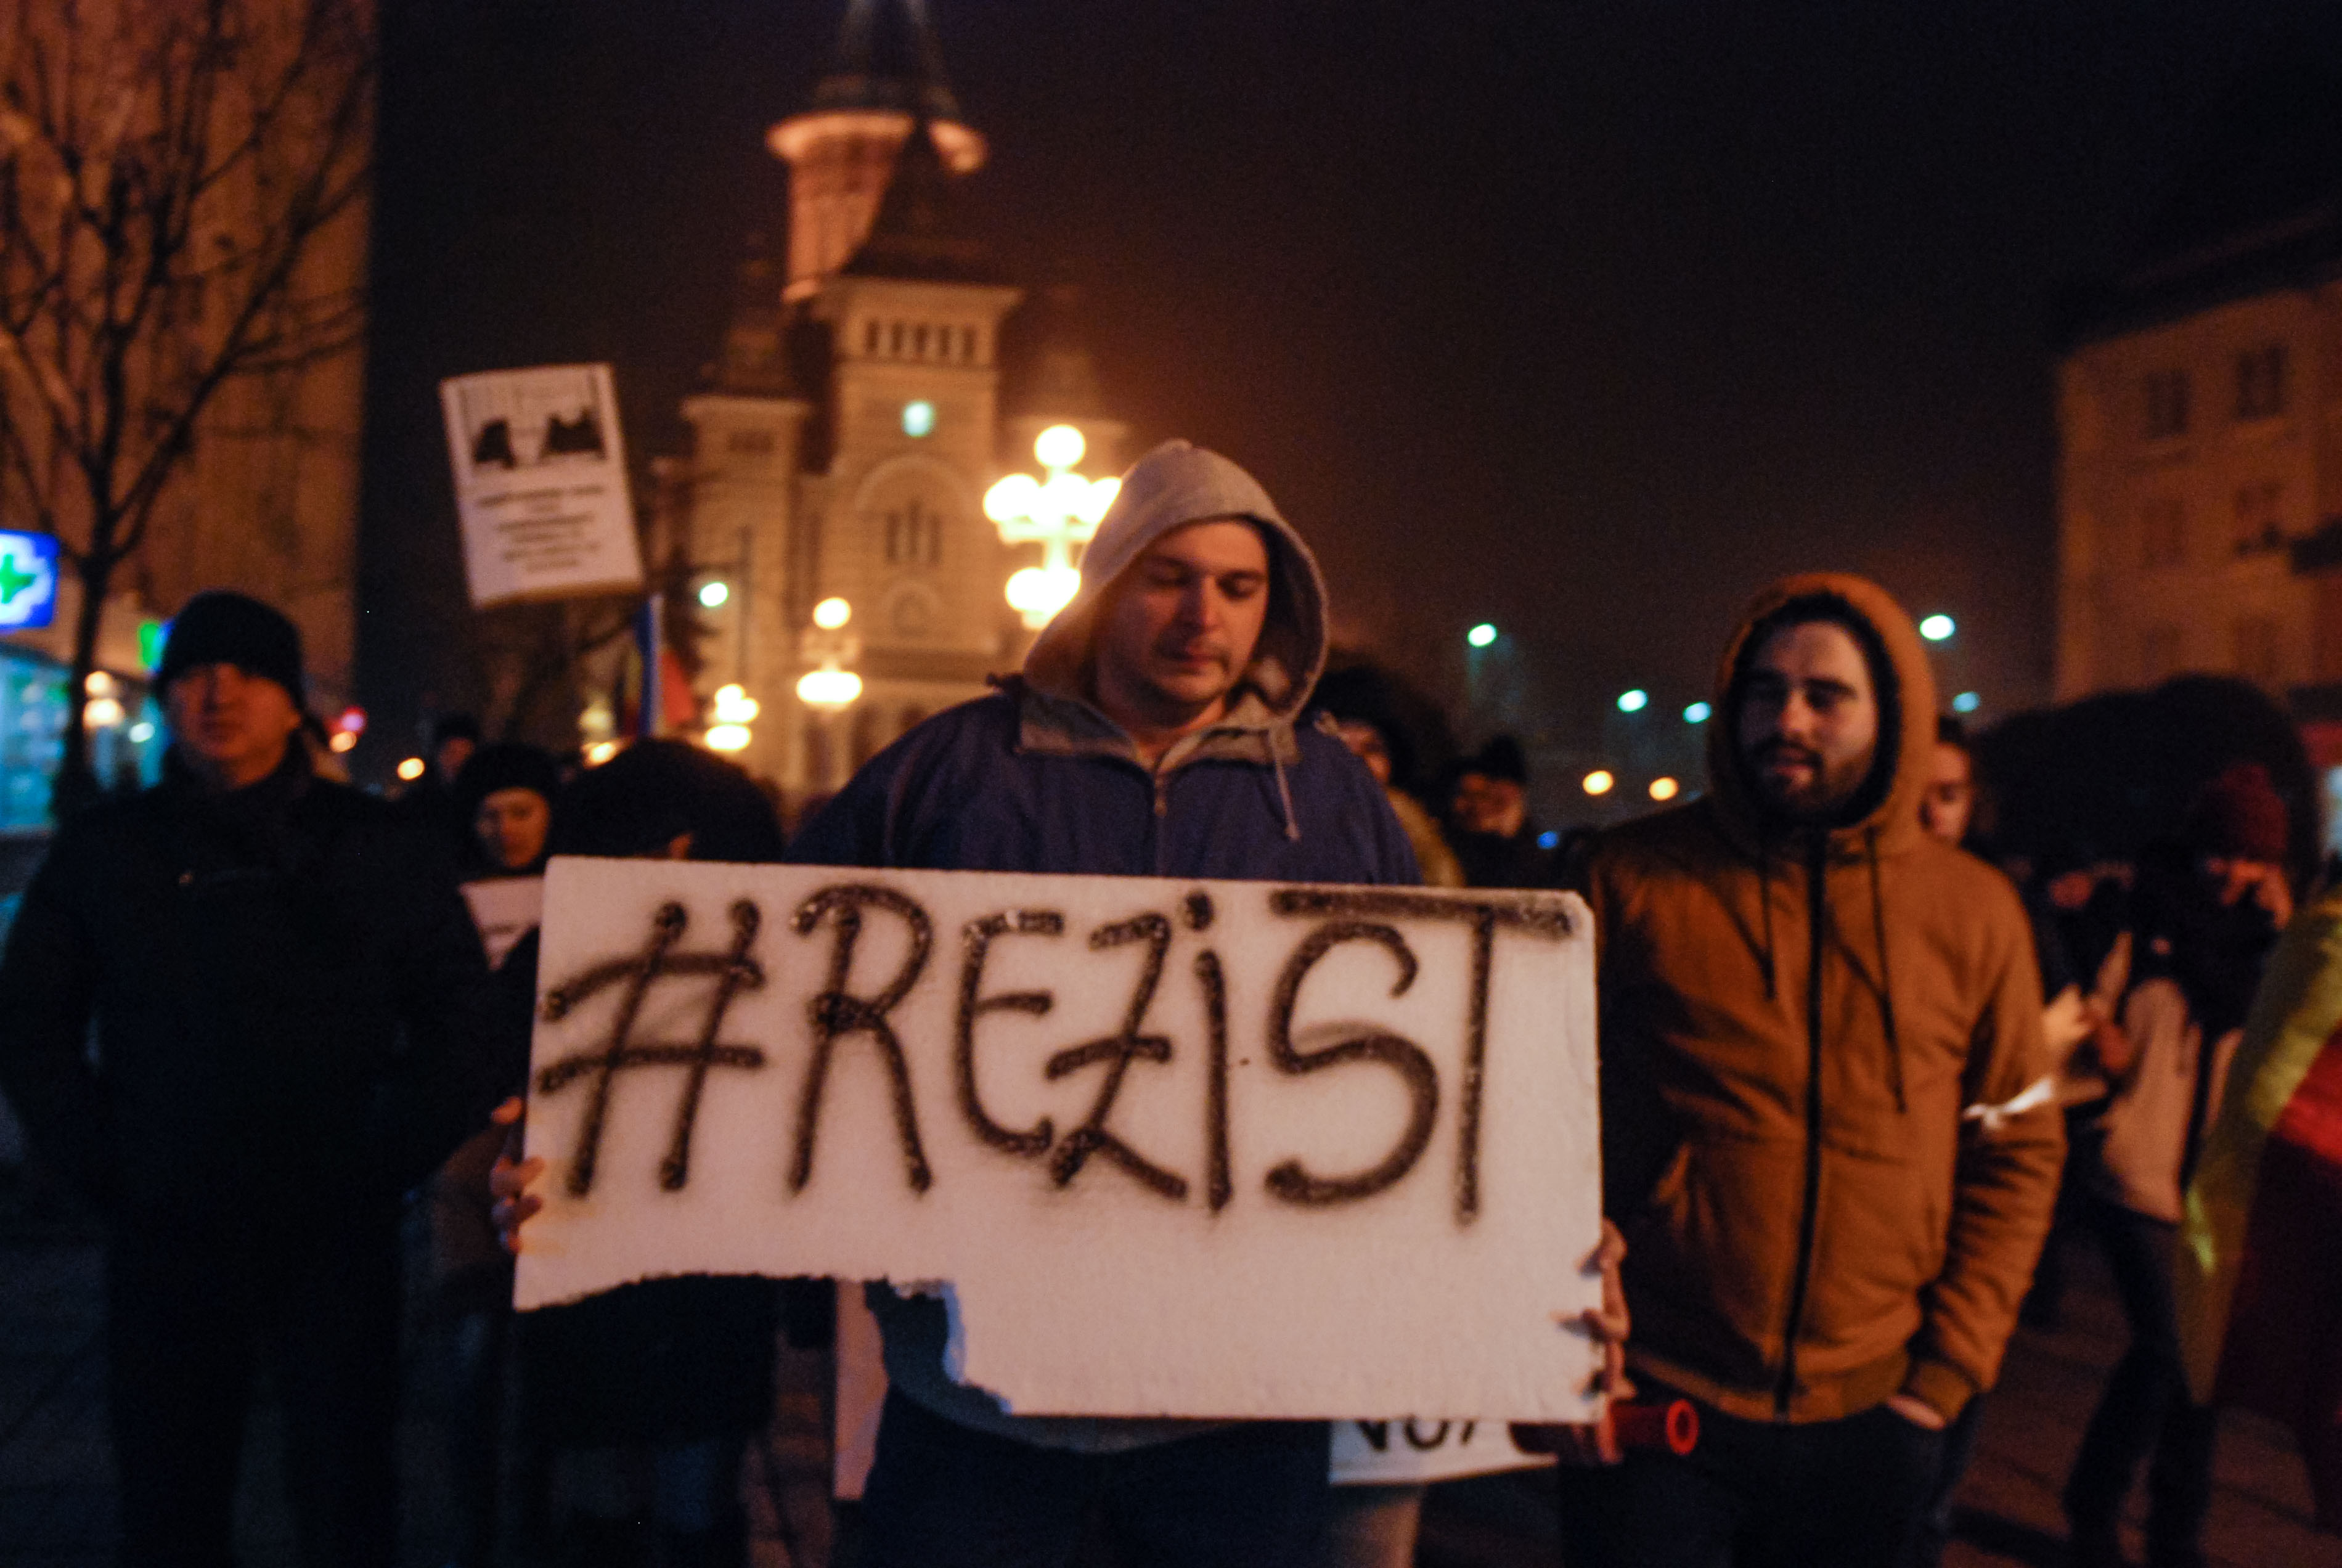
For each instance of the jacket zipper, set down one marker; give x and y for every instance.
(1809, 1215)
(1162, 783)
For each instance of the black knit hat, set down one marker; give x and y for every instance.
(225, 627)
(508, 765)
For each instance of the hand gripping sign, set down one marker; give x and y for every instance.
(1171, 1148)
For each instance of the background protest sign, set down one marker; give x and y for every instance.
(541, 484)
(1211, 1149)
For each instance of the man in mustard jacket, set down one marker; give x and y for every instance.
(1801, 992)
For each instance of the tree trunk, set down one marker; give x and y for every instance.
(77, 784)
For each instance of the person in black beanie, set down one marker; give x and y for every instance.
(1488, 820)
(505, 793)
(291, 1009)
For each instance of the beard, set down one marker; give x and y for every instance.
(1812, 790)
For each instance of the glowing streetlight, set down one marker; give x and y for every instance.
(1057, 514)
(1967, 702)
(735, 710)
(1665, 789)
(1481, 636)
(1699, 713)
(1634, 700)
(411, 769)
(918, 418)
(141, 733)
(827, 688)
(1938, 628)
(712, 595)
(101, 714)
(600, 752)
(1598, 781)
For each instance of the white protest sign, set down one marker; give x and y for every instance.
(1385, 1452)
(505, 909)
(1177, 1148)
(541, 484)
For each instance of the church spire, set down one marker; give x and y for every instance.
(887, 76)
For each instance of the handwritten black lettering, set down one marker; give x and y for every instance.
(1421, 1443)
(1541, 919)
(835, 1014)
(1118, 1051)
(1376, 1434)
(735, 972)
(1217, 1186)
(978, 938)
(1289, 1180)
(1198, 909)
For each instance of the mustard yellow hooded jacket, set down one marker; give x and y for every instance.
(1812, 1225)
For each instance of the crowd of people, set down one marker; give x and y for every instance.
(1855, 1073)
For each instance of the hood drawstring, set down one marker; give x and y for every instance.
(1283, 790)
(1764, 908)
(1885, 977)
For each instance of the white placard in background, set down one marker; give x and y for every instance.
(541, 484)
(1178, 1148)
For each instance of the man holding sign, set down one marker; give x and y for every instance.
(1800, 991)
(1152, 733)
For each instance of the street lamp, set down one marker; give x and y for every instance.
(829, 688)
(1634, 700)
(1056, 513)
(1481, 636)
(1938, 628)
(735, 710)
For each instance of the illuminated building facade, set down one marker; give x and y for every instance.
(862, 403)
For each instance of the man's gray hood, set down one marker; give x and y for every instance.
(1171, 487)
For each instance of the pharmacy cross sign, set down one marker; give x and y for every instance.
(28, 581)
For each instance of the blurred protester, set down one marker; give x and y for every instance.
(1801, 991)
(1488, 810)
(2259, 1284)
(290, 1007)
(2204, 912)
(1950, 809)
(506, 792)
(1360, 719)
(1948, 803)
(431, 799)
(646, 1395)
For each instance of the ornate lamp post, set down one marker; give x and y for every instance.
(1057, 514)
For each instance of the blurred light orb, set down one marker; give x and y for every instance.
(600, 752)
(1012, 497)
(1097, 500)
(1059, 446)
(713, 594)
(1665, 789)
(918, 418)
(1699, 713)
(727, 738)
(343, 740)
(98, 684)
(1599, 782)
(830, 690)
(141, 733)
(1938, 628)
(1038, 593)
(411, 769)
(353, 720)
(1548, 839)
(733, 705)
(101, 714)
(1635, 701)
(831, 613)
(1481, 636)
(1967, 702)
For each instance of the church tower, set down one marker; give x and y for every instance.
(854, 419)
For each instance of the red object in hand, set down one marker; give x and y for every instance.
(1674, 1426)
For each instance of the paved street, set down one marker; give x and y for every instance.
(57, 1504)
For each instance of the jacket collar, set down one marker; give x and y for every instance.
(1060, 724)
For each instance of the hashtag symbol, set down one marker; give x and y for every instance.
(733, 972)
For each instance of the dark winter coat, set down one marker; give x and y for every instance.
(288, 996)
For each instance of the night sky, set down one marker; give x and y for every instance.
(1586, 319)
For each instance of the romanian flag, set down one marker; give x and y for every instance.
(2260, 1248)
